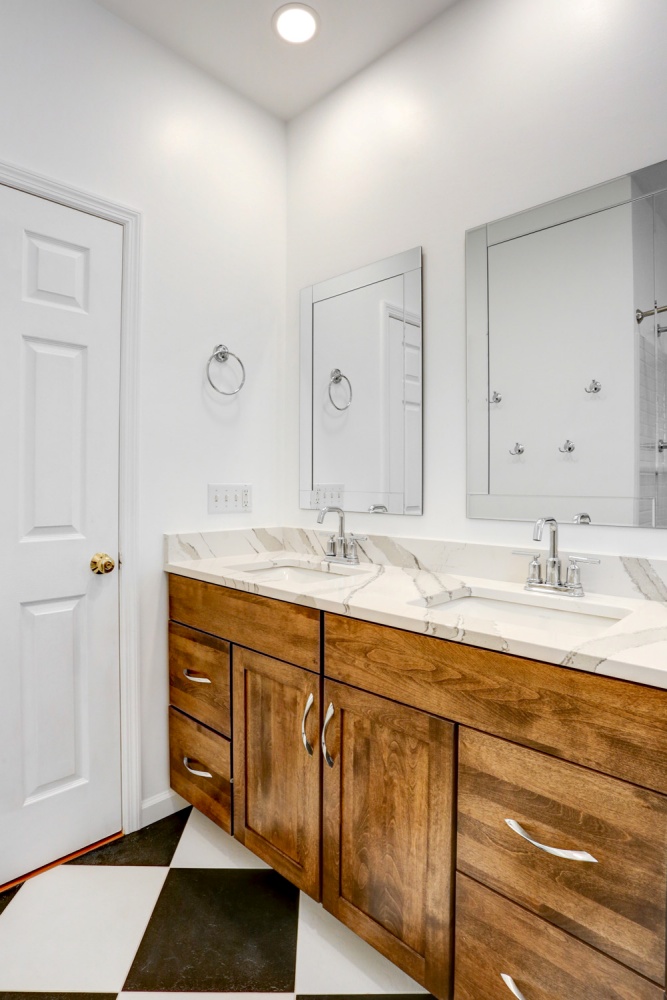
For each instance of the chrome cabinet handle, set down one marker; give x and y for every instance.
(193, 770)
(512, 986)
(327, 719)
(306, 743)
(556, 851)
(195, 679)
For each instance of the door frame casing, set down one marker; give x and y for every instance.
(130, 722)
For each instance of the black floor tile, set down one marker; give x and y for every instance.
(7, 896)
(153, 845)
(219, 930)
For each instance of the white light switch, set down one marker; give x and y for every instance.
(226, 498)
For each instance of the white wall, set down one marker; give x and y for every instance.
(92, 103)
(496, 106)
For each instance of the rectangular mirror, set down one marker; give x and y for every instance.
(361, 389)
(567, 358)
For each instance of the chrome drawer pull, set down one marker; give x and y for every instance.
(512, 986)
(556, 851)
(195, 679)
(306, 743)
(327, 719)
(192, 770)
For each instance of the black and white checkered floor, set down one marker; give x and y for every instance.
(179, 907)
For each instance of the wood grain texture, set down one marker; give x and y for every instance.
(286, 631)
(204, 656)
(494, 936)
(277, 792)
(207, 752)
(388, 822)
(618, 904)
(609, 725)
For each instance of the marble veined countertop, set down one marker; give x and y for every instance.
(465, 593)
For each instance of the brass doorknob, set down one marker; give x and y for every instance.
(102, 563)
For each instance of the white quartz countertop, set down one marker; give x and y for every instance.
(616, 636)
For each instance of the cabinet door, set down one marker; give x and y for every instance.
(277, 794)
(388, 829)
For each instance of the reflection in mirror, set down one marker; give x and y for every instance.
(567, 358)
(361, 389)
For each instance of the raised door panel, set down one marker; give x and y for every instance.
(277, 628)
(388, 830)
(199, 676)
(496, 939)
(277, 769)
(615, 902)
(609, 725)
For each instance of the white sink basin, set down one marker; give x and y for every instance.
(578, 617)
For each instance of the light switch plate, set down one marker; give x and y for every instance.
(327, 495)
(227, 498)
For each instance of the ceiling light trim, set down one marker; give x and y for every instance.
(297, 29)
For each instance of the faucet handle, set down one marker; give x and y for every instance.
(351, 547)
(535, 568)
(331, 546)
(573, 578)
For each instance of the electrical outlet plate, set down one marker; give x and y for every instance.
(228, 498)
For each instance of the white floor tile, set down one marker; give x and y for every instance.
(205, 845)
(331, 959)
(76, 928)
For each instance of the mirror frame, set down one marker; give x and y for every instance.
(381, 270)
(632, 187)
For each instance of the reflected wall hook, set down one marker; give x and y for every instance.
(662, 445)
(595, 386)
(222, 354)
(336, 377)
(567, 447)
(496, 397)
(518, 449)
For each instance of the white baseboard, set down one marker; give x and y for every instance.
(161, 805)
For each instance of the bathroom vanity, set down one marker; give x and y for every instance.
(494, 824)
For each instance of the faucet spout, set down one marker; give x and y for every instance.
(553, 536)
(553, 562)
(341, 518)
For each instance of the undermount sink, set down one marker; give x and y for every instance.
(576, 616)
(295, 574)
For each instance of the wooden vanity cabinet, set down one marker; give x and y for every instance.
(277, 795)
(429, 747)
(388, 789)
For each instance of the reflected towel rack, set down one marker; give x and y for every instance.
(639, 315)
(221, 354)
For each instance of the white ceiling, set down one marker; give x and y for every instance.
(234, 41)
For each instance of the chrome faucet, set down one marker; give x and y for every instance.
(553, 583)
(341, 548)
(553, 559)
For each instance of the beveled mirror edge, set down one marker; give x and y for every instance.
(639, 184)
(389, 267)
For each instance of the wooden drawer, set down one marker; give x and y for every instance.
(286, 631)
(494, 937)
(609, 725)
(205, 751)
(616, 904)
(199, 676)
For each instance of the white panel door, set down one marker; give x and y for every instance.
(60, 292)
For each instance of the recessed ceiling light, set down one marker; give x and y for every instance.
(296, 23)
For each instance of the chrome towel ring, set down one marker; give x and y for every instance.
(337, 377)
(221, 354)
